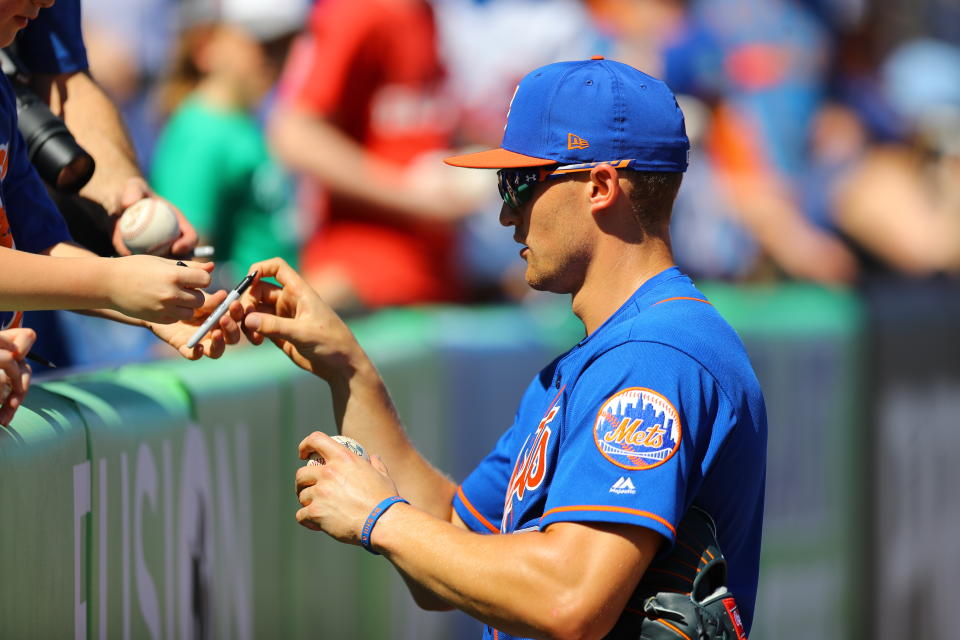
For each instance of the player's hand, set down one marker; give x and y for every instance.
(137, 189)
(298, 321)
(156, 289)
(338, 496)
(14, 371)
(227, 331)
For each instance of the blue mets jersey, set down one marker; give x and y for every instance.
(655, 411)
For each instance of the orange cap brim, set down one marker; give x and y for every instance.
(496, 159)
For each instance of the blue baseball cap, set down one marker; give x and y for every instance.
(593, 110)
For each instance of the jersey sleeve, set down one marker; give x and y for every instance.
(638, 422)
(479, 500)
(53, 43)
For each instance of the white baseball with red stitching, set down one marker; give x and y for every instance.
(149, 226)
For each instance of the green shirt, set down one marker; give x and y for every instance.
(215, 165)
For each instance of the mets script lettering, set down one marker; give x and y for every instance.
(531, 466)
(629, 432)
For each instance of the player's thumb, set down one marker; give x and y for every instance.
(271, 326)
(377, 463)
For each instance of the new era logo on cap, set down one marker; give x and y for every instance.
(617, 112)
(576, 142)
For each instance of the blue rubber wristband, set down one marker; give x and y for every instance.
(378, 511)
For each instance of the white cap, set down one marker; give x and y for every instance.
(263, 19)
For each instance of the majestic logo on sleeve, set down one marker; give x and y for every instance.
(637, 428)
(531, 466)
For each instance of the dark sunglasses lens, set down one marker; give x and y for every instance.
(514, 187)
(504, 189)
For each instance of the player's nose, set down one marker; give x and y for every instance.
(508, 215)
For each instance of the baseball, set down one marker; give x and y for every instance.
(149, 226)
(349, 443)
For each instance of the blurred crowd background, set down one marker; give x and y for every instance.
(825, 133)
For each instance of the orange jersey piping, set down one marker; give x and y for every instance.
(635, 512)
(476, 514)
(682, 298)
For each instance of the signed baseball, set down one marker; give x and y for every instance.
(149, 226)
(349, 443)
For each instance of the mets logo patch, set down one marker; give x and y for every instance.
(637, 428)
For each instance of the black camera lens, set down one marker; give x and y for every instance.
(50, 145)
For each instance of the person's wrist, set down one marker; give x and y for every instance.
(106, 272)
(350, 371)
(336, 372)
(387, 535)
(360, 370)
(366, 384)
(378, 516)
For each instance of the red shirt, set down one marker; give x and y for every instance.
(370, 67)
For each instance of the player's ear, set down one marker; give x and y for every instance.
(604, 187)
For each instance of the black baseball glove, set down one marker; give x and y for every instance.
(683, 595)
(709, 612)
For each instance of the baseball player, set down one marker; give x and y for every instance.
(626, 499)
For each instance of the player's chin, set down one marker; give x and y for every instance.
(535, 284)
(533, 277)
(541, 281)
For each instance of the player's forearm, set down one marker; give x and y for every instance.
(424, 598)
(30, 282)
(515, 582)
(365, 412)
(94, 121)
(308, 144)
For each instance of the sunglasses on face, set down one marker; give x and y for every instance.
(516, 185)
